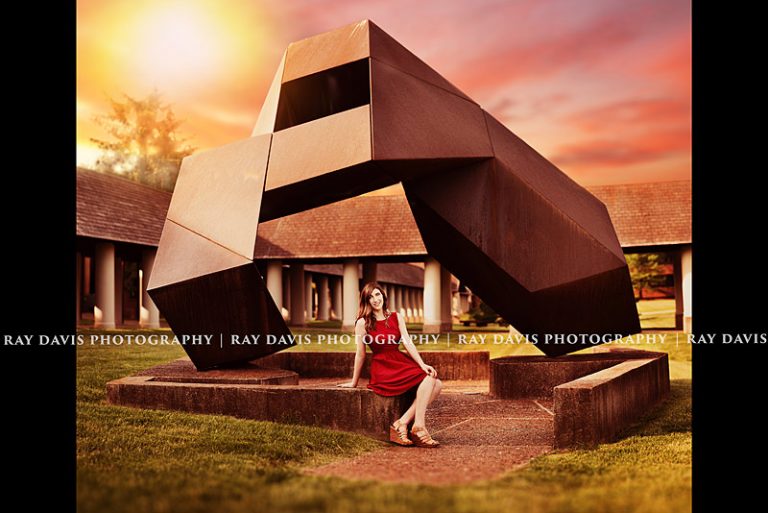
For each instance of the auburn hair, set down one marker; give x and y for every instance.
(366, 310)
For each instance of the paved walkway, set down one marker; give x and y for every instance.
(481, 438)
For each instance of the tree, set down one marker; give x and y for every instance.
(146, 147)
(645, 270)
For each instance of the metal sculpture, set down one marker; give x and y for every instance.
(351, 111)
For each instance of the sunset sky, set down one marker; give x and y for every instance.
(600, 87)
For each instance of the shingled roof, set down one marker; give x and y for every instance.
(113, 208)
(649, 214)
(357, 227)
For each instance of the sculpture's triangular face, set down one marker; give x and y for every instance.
(351, 111)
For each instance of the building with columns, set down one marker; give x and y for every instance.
(315, 262)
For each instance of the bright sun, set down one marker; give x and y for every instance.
(178, 46)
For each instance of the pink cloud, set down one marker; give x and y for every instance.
(632, 115)
(612, 152)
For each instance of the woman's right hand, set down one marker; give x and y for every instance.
(429, 370)
(349, 384)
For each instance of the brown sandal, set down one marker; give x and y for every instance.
(422, 438)
(397, 436)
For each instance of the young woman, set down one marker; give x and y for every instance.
(392, 371)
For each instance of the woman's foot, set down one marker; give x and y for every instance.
(421, 437)
(398, 433)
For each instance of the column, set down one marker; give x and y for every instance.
(118, 290)
(408, 304)
(391, 298)
(683, 281)
(286, 295)
(677, 272)
(419, 303)
(308, 297)
(297, 294)
(369, 272)
(446, 300)
(431, 297)
(351, 293)
(337, 303)
(78, 286)
(399, 300)
(275, 282)
(149, 315)
(463, 302)
(687, 270)
(323, 310)
(104, 309)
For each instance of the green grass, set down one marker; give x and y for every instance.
(656, 313)
(157, 461)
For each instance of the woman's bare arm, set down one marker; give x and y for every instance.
(359, 354)
(411, 348)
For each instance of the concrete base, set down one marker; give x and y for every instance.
(596, 408)
(450, 365)
(358, 410)
(596, 396)
(519, 377)
(291, 387)
(593, 397)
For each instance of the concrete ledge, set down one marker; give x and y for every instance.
(358, 410)
(535, 377)
(596, 408)
(270, 388)
(450, 365)
(184, 371)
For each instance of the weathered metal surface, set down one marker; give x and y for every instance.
(218, 193)
(328, 50)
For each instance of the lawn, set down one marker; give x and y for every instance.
(156, 461)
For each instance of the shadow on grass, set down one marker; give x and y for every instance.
(672, 416)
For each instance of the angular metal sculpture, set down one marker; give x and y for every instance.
(351, 111)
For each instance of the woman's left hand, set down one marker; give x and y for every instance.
(429, 370)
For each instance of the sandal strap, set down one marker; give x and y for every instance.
(423, 435)
(403, 436)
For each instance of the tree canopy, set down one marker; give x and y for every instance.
(646, 270)
(146, 145)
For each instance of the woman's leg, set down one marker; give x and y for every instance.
(410, 412)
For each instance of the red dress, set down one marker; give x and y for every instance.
(392, 371)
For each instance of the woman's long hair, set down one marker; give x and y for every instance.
(366, 310)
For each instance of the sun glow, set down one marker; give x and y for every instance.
(178, 47)
(203, 56)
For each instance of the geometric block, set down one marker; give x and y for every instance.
(527, 260)
(320, 147)
(265, 124)
(385, 48)
(320, 162)
(544, 177)
(183, 255)
(218, 193)
(413, 119)
(328, 50)
(233, 301)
